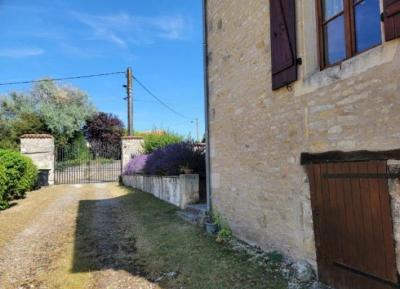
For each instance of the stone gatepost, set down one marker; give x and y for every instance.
(40, 148)
(131, 146)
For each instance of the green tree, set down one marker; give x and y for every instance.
(48, 108)
(18, 116)
(12, 106)
(64, 109)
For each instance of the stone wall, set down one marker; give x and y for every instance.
(177, 190)
(131, 146)
(394, 191)
(40, 148)
(257, 135)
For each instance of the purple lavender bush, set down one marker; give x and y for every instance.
(135, 165)
(171, 159)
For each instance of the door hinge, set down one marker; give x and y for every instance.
(382, 17)
(299, 61)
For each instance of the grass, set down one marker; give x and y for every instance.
(167, 244)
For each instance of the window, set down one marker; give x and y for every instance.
(346, 28)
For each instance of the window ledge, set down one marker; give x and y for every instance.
(379, 55)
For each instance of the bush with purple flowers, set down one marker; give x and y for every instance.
(136, 165)
(172, 159)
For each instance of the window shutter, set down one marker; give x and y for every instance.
(391, 14)
(283, 42)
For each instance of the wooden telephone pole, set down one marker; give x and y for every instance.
(197, 129)
(129, 88)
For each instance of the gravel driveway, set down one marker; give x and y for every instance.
(70, 236)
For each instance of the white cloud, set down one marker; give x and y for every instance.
(20, 52)
(122, 28)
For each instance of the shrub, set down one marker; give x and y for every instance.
(78, 148)
(135, 165)
(3, 186)
(21, 174)
(29, 178)
(157, 140)
(171, 159)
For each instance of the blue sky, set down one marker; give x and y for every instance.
(160, 39)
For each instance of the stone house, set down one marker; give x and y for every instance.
(286, 79)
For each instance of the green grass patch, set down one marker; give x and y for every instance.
(165, 243)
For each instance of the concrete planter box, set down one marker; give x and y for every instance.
(179, 190)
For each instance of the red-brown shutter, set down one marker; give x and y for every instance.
(391, 13)
(283, 42)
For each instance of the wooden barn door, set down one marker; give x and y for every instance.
(353, 225)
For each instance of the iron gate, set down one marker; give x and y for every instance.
(95, 163)
(353, 225)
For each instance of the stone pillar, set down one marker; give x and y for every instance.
(40, 148)
(131, 146)
(189, 186)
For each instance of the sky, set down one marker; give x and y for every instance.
(160, 39)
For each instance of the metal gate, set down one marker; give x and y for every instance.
(95, 163)
(353, 225)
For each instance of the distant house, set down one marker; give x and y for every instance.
(297, 90)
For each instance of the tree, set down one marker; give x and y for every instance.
(65, 109)
(104, 128)
(18, 117)
(12, 106)
(48, 108)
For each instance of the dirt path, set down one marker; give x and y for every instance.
(80, 231)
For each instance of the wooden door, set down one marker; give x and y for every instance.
(353, 225)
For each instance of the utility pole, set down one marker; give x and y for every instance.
(197, 129)
(129, 88)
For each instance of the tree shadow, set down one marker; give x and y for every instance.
(104, 239)
(168, 253)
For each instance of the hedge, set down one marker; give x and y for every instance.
(3, 186)
(156, 140)
(21, 174)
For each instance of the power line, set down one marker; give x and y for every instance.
(160, 101)
(100, 75)
(61, 78)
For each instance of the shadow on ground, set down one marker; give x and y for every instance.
(104, 238)
(142, 235)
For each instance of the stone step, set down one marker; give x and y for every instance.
(194, 214)
(188, 217)
(197, 208)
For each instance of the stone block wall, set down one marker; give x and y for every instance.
(394, 191)
(131, 146)
(177, 190)
(257, 135)
(40, 148)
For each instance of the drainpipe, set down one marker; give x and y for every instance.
(206, 105)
